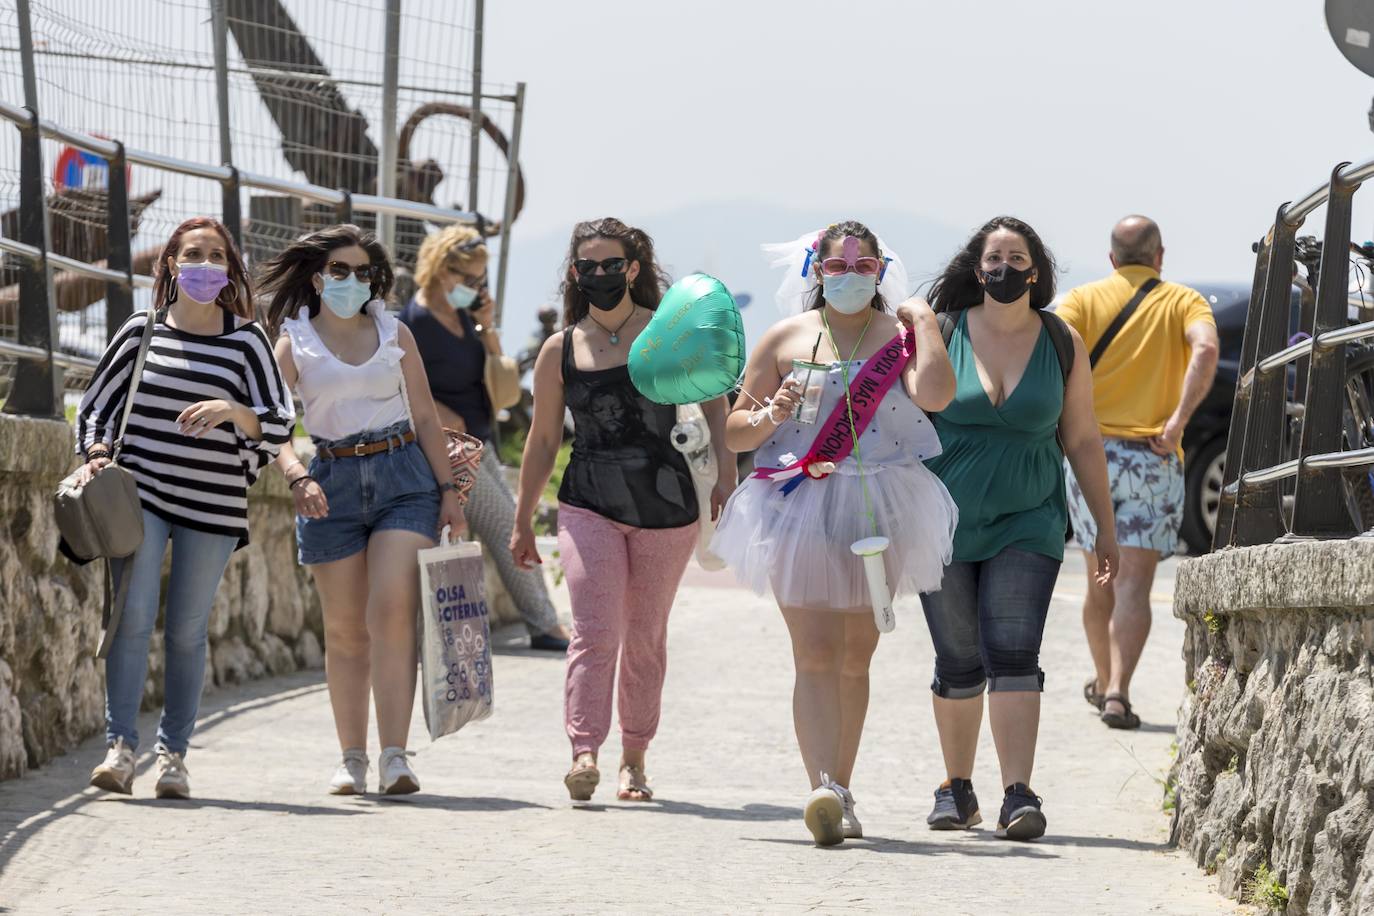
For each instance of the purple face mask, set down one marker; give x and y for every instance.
(202, 281)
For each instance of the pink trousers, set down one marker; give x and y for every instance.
(622, 581)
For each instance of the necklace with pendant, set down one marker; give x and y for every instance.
(614, 335)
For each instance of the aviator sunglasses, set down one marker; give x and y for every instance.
(340, 271)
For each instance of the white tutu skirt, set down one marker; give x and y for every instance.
(799, 544)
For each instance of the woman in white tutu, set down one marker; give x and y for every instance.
(790, 526)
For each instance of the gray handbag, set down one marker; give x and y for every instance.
(104, 519)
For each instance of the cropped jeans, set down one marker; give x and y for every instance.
(987, 621)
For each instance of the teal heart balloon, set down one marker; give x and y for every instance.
(692, 350)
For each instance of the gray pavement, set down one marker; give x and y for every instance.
(493, 830)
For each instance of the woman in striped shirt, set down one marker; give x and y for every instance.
(209, 412)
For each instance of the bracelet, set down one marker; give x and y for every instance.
(97, 451)
(293, 483)
(446, 486)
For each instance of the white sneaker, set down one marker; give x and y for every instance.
(824, 814)
(116, 771)
(172, 778)
(397, 776)
(853, 830)
(351, 776)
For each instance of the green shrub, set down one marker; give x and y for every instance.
(1264, 889)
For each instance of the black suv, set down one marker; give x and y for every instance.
(1204, 441)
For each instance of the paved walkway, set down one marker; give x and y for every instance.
(495, 832)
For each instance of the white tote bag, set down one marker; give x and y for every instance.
(455, 640)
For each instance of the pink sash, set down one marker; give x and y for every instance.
(834, 439)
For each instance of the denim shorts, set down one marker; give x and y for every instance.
(987, 621)
(1147, 497)
(392, 490)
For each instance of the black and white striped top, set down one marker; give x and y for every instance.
(200, 483)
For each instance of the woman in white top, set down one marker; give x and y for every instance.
(369, 501)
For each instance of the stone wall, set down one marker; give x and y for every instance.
(266, 619)
(1275, 764)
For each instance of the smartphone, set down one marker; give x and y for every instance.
(476, 303)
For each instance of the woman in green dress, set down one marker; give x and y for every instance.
(1023, 393)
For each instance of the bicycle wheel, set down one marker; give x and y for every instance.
(1358, 432)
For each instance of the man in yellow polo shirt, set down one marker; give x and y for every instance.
(1149, 374)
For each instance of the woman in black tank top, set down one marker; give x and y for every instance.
(628, 511)
(623, 466)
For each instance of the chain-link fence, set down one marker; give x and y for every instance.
(305, 103)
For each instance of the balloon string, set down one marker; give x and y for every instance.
(849, 410)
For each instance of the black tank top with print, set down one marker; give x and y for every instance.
(623, 463)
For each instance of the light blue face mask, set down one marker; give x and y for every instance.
(460, 297)
(850, 292)
(345, 297)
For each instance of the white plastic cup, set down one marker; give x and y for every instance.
(871, 551)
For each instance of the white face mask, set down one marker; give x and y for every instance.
(345, 297)
(460, 297)
(849, 293)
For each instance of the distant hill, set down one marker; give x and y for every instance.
(723, 239)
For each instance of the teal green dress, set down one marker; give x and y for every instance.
(1003, 465)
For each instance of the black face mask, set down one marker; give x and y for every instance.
(604, 290)
(1005, 283)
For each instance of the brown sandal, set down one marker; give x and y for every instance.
(582, 781)
(1126, 719)
(1090, 693)
(634, 785)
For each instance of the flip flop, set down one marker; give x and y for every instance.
(634, 785)
(1127, 719)
(1090, 693)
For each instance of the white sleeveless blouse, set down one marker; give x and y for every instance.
(340, 399)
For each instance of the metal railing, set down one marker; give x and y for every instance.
(37, 385)
(1254, 508)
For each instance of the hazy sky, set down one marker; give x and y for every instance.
(1067, 113)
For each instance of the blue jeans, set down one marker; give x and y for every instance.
(198, 563)
(987, 621)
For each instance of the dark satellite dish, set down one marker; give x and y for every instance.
(1351, 23)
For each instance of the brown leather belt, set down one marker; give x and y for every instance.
(366, 448)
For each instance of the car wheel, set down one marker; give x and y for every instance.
(1202, 494)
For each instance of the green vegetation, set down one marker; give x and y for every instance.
(1170, 794)
(1264, 889)
(1218, 861)
(513, 449)
(1215, 625)
(1232, 766)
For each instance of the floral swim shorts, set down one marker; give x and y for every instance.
(1147, 498)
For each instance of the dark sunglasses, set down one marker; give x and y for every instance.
(340, 271)
(586, 266)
